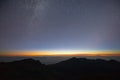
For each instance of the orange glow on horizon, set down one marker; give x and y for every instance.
(60, 53)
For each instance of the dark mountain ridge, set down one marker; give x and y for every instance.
(71, 69)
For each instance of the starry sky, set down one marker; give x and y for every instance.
(59, 25)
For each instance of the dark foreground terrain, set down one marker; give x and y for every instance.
(71, 69)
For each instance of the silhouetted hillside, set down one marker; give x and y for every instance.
(71, 69)
(82, 68)
(27, 69)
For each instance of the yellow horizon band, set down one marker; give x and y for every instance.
(59, 53)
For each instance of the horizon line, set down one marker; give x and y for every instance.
(57, 53)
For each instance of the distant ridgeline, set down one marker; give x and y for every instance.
(71, 69)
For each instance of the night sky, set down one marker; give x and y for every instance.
(59, 25)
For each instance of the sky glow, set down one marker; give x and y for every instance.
(60, 26)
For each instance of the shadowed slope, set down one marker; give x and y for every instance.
(71, 69)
